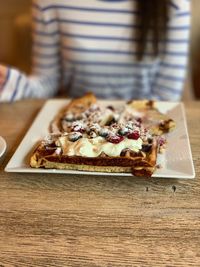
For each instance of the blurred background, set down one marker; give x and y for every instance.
(15, 41)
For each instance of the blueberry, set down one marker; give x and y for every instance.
(103, 132)
(123, 131)
(129, 125)
(74, 136)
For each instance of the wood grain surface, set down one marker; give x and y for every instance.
(71, 220)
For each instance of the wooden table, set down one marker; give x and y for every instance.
(71, 220)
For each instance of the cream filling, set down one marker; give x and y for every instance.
(94, 147)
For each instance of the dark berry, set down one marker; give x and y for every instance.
(74, 136)
(133, 135)
(123, 131)
(115, 139)
(103, 132)
(129, 125)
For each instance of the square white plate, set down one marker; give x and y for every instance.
(176, 161)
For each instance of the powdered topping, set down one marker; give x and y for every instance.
(50, 139)
(78, 126)
(108, 122)
(115, 127)
(114, 138)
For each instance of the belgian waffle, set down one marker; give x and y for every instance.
(141, 163)
(87, 136)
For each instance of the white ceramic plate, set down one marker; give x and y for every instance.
(2, 146)
(177, 160)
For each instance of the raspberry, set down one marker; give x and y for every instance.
(115, 139)
(133, 135)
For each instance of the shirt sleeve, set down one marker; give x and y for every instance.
(46, 68)
(170, 78)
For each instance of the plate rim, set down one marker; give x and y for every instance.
(4, 146)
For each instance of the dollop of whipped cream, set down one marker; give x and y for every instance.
(94, 147)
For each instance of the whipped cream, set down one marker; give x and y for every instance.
(95, 146)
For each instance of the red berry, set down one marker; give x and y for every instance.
(133, 135)
(115, 139)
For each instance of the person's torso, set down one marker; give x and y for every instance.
(98, 41)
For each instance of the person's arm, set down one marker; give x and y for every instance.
(170, 79)
(45, 77)
(3, 76)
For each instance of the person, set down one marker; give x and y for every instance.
(121, 49)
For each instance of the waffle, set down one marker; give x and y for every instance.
(145, 110)
(140, 163)
(87, 136)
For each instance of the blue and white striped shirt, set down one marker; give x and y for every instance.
(90, 45)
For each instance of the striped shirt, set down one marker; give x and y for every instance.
(90, 45)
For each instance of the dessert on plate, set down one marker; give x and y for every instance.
(90, 135)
